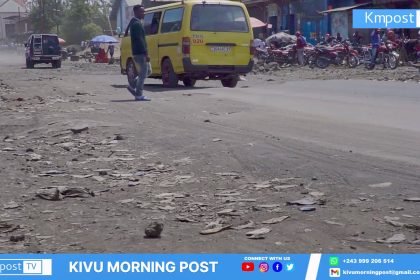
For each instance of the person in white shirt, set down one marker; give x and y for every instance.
(259, 42)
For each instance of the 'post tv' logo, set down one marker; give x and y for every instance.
(248, 266)
(28, 267)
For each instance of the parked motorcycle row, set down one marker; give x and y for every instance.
(336, 53)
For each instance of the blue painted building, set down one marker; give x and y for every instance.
(303, 15)
(315, 18)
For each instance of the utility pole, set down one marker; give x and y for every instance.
(106, 13)
(56, 15)
(41, 6)
(109, 20)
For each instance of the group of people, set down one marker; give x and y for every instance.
(101, 56)
(377, 37)
(141, 57)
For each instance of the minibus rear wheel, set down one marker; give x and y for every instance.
(230, 82)
(131, 73)
(169, 77)
(189, 82)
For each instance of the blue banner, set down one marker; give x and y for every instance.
(210, 266)
(386, 18)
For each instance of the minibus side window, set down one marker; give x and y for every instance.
(172, 20)
(151, 23)
(218, 18)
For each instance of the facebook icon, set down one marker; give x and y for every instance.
(277, 266)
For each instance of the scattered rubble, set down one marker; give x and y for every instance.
(258, 233)
(131, 183)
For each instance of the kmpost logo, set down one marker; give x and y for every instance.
(27, 267)
(386, 18)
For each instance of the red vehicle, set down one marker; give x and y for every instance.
(339, 54)
(284, 55)
(387, 56)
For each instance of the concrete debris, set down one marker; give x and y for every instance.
(412, 199)
(381, 185)
(307, 209)
(276, 220)
(153, 230)
(395, 239)
(304, 201)
(258, 233)
(249, 224)
(79, 129)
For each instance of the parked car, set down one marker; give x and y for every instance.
(195, 40)
(43, 48)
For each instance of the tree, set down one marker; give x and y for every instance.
(78, 16)
(85, 19)
(46, 15)
(100, 13)
(91, 30)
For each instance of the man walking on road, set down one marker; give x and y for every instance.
(139, 50)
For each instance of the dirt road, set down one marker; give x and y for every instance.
(85, 169)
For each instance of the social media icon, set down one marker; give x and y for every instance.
(290, 266)
(263, 267)
(248, 266)
(277, 266)
(335, 272)
(334, 261)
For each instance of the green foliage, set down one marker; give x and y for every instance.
(100, 13)
(75, 20)
(91, 30)
(46, 15)
(84, 20)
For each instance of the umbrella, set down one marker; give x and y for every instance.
(61, 41)
(255, 23)
(281, 37)
(104, 39)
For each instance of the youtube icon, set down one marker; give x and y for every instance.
(247, 266)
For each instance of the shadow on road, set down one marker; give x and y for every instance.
(119, 86)
(40, 68)
(160, 88)
(123, 100)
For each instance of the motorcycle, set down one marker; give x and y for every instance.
(64, 54)
(339, 54)
(411, 48)
(261, 54)
(273, 54)
(387, 56)
(285, 55)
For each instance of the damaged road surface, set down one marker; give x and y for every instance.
(291, 165)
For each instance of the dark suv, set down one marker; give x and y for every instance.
(43, 48)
